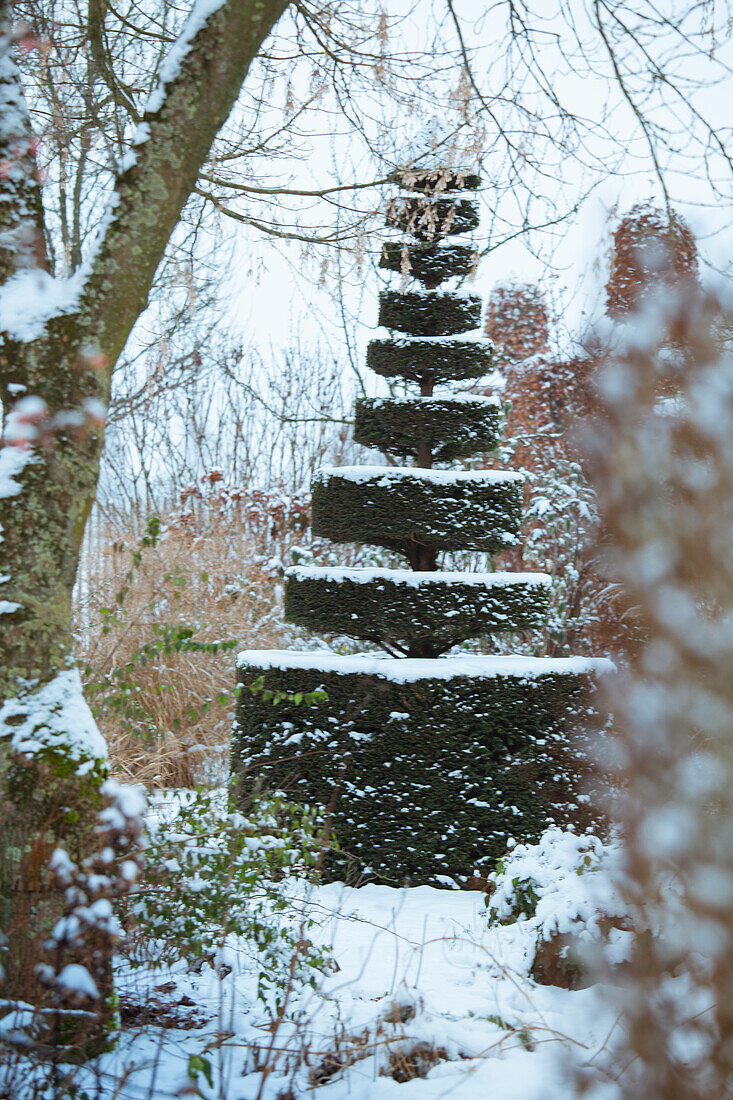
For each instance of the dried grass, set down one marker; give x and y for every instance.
(207, 573)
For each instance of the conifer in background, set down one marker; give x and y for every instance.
(428, 763)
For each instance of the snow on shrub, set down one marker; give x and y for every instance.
(218, 881)
(562, 891)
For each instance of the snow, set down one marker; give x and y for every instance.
(567, 900)
(169, 70)
(77, 980)
(30, 298)
(415, 578)
(473, 336)
(460, 293)
(139, 137)
(413, 967)
(404, 670)
(14, 115)
(13, 460)
(446, 243)
(384, 474)
(481, 400)
(56, 716)
(127, 801)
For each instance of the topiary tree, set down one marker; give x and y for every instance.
(428, 762)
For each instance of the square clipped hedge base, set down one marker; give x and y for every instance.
(429, 765)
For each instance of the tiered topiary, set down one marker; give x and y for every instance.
(426, 762)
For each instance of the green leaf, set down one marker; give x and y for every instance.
(198, 1064)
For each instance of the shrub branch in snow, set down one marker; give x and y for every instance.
(74, 963)
(561, 891)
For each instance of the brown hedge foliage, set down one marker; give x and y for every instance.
(651, 249)
(517, 320)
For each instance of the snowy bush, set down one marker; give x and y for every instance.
(213, 874)
(562, 892)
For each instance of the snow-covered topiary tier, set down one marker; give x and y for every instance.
(454, 427)
(430, 360)
(440, 509)
(427, 762)
(409, 610)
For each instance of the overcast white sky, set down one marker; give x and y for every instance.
(567, 260)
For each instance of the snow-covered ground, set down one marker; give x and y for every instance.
(424, 999)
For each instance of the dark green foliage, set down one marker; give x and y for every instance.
(447, 360)
(428, 262)
(432, 776)
(429, 220)
(451, 428)
(440, 613)
(429, 313)
(391, 508)
(427, 180)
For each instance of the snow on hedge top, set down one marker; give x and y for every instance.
(444, 295)
(405, 670)
(442, 244)
(383, 475)
(415, 578)
(473, 336)
(480, 401)
(55, 717)
(32, 297)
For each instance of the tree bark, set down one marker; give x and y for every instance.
(48, 794)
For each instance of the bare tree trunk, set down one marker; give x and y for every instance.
(51, 757)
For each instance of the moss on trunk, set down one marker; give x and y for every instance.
(48, 797)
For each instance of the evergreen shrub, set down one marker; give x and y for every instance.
(429, 219)
(427, 763)
(428, 262)
(435, 181)
(416, 360)
(451, 428)
(429, 313)
(392, 507)
(405, 609)
(433, 774)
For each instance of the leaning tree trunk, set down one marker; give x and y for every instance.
(53, 389)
